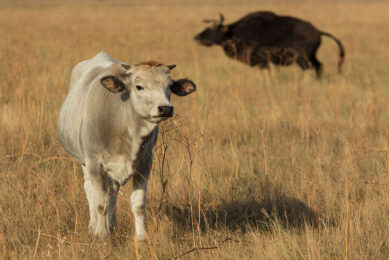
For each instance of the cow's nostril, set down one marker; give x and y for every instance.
(165, 111)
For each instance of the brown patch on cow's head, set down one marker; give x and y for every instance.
(151, 63)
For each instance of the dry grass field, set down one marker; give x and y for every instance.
(257, 164)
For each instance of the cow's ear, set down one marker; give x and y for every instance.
(113, 84)
(183, 87)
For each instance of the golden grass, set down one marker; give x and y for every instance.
(259, 164)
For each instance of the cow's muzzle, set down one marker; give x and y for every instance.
(201, 41)
(165, 111)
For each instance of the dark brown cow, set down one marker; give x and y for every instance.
(261, 38)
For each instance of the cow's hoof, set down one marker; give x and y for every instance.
(99, 234)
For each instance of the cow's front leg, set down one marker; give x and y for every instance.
(101, 192)
(138, 203)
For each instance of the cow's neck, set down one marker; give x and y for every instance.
(146, 128)
(133, 145)
(139, 129)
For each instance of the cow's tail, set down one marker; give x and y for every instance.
(341, 49)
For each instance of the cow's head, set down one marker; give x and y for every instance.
(147, 86)
(215, 34)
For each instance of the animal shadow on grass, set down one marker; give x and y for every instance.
(248, 214)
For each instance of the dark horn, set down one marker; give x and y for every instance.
(221, 18)
(126, 66)
(171, 66)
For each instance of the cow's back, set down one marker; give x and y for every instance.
(268, 29)
(83, 77)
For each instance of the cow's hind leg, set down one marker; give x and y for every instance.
(101, 193)
(138, 204)
(317, 65)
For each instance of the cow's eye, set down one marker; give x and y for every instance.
(139, 87)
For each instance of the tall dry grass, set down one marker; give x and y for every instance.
(256, 164)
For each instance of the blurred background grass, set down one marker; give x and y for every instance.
(280, 164)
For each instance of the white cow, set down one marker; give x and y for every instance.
(109, 124)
